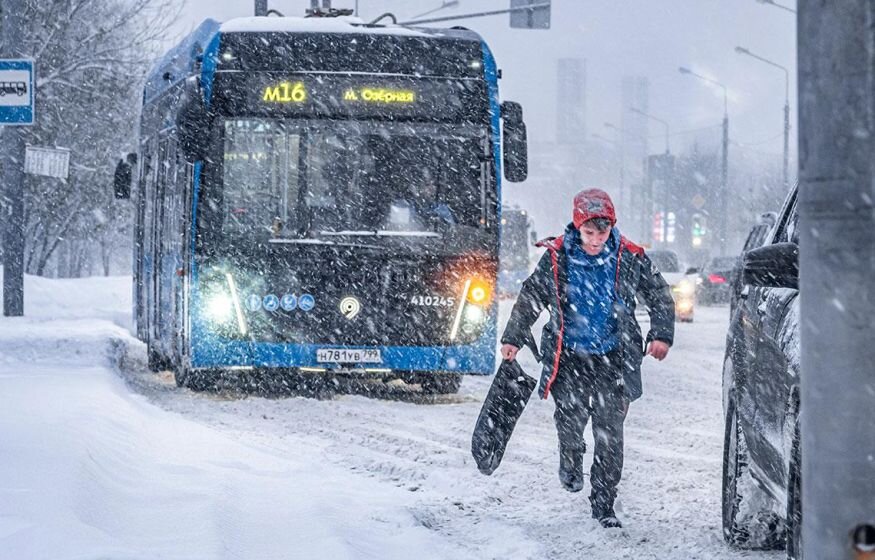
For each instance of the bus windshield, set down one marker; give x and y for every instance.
(284, 181)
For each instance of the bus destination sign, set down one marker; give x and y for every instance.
(311, 96)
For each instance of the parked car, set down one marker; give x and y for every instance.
(714, 280)
(682, 281)
(755, 238)
(762, 500)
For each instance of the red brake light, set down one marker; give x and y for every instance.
(716, 279)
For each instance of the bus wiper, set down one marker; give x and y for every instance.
(379, 233)
(320, 242)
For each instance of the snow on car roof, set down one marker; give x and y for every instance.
(343, 24)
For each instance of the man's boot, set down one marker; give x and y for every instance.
(603, 510)
(571, 467)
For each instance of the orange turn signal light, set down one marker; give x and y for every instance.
(479, 291)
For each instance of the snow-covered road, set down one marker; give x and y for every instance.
(101, 459)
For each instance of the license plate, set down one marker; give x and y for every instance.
(349, 355)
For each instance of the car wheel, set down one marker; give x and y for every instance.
(794, 498)
(440, 383)
(749, 519)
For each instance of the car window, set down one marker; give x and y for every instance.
(793, 226)
(788, 221)
(789, 227)
(757, 236)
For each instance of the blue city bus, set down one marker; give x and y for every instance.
(321, 195)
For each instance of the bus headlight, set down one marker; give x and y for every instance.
(222, 304)
(219, 307)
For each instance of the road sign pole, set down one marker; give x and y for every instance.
(12, 173)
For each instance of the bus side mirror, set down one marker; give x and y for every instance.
(514, 142)
(533, 237)
(192, 123)
(124, 173)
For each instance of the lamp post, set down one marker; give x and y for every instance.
(660, 121)
(724, 171)
(775, 4)
(742, 50)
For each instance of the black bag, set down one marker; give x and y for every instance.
(505, 401)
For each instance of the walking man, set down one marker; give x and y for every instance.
(592, 347)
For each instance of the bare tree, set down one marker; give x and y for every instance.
(91, 57)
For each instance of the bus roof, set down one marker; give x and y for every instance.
(179, 62)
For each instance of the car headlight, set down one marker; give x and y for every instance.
(684, 288)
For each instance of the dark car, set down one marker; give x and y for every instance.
(761, 449)
(755, 238)
(714, 285)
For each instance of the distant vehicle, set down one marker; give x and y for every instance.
(762, 455)
(16, 88)
(755, 238)
(714, 280)
(517, 238)
(332, 211)
(681, 279)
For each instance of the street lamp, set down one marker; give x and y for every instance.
(444, 5)
(742, 50)
(724, 172)
(660, 121)
(775, 4)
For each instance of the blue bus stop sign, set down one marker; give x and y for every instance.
(16, 92)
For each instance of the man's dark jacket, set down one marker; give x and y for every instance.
(546, 289)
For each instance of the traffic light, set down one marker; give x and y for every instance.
(698, 229)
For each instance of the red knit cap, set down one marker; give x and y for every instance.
(593, 203)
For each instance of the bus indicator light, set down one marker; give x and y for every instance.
(479, 292)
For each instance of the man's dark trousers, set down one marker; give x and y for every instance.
(591, 385)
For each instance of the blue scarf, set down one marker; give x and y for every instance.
(590, 326)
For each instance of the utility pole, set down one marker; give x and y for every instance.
(724, 169)
(836, 143)
(742, 50)
(12, 164)
(260, 7)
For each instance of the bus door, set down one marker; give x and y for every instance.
(140, 280)
(167, 245)
(184, 213)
